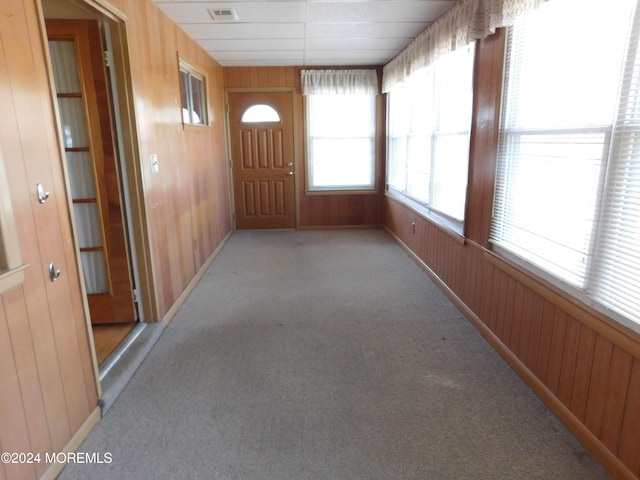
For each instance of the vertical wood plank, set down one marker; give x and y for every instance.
(569, 357)
(629, 451)
(525, 325)
(598, 387)
(13, 417)
(43, 419)
(534, 333)
(557, 351)
(546, 338)
(584, 362)
(487, 292)
(616, 398)
(516, 323)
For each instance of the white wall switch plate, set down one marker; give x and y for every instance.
(153, 158)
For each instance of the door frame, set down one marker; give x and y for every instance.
(297, 157)
(128, 153)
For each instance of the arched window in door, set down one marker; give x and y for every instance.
(260, 113)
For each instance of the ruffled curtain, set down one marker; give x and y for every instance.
(465, 22)
(339, 82)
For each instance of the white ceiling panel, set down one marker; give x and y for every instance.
(258, 55)
(305, 32)
(253, 44)
(375, 11)
(360, 54)
(240, 31)
(365, 30)
(355, 43)
(251, 12)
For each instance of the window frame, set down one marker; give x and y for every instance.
(186, 67)
(346, 189)
(11, 266)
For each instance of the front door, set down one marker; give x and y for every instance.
(93, 181)
(262, 150)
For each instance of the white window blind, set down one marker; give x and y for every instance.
(567, 164)
(429, 128)
(617, 259)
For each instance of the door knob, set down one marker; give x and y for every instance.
(288, 174)
(53, 273)
(289, 164)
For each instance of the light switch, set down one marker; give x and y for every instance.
(153, 158)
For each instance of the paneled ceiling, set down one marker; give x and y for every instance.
(303, 32)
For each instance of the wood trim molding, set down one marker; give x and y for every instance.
(582, 433)
(447, 231)
(11, 266)
(194, 281)
(339, 227)
(56, 468)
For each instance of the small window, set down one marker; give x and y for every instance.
(193, 93)
(260, 114)
(11, 267)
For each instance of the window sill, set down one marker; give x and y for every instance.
(341, 192)
(194, 127)
(12, 278)
(448, 227)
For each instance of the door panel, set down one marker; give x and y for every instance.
(93, 180)
(263, 162)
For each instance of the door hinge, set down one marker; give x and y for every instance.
(107, 59)
(135, 295)
(227, 107)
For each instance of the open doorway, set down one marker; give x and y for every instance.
(97, 173)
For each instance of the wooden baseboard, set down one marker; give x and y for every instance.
(340, 227)
(581, 432)
(56, 468)
(194, 281)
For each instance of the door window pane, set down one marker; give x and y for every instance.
(260, 114)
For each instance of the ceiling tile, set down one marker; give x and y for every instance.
(355, 43)
(305, 32)
(376, 11)
(252, 44)
(230, 31)
(197, 12)
(366, 30)
(258, 55)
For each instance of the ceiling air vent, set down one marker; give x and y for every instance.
(223, 14)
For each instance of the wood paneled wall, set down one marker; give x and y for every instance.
(316, 210)
(584, 366)
(187, 201)
(48, 388)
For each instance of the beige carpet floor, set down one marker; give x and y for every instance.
(326, 355)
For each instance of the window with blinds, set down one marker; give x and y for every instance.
(429, 127)
(567, 195)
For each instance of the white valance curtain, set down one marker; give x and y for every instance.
(339, 82)
(466, 21)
